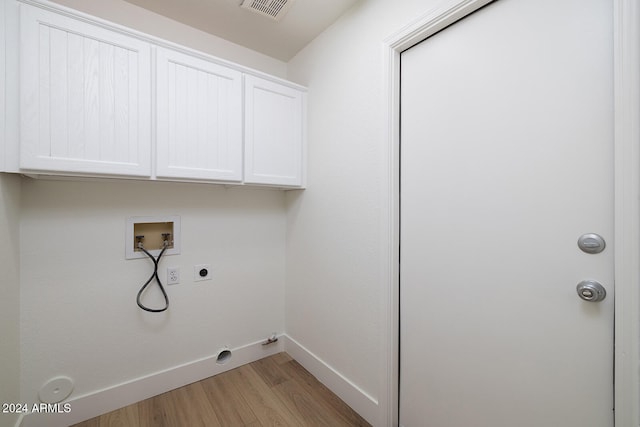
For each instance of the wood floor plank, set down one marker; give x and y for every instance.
(227, 401)
(270, 371)
(147, 413)
(281, 358)
(193, 407)
(164, 412)
(328, 400)
(275, 391)
(123, 417)
(301, 405)
(93, 422)
(268, 408)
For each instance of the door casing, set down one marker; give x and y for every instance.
(626, 205)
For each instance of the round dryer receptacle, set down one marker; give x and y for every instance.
(56, 390)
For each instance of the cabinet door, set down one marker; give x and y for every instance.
(199, 125)
(85, 97)
(274, 133)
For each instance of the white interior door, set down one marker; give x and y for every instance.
(506, 160)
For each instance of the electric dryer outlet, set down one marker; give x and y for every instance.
(202, 272)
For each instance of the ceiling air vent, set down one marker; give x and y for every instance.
(274, 9)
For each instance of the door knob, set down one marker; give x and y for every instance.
(591, 243)
(591, 290)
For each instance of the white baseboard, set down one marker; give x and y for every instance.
(355, 397)
(19, 421)
(112, 398)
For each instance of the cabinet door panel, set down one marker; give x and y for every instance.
(199, 126)
(274, 135)
(85, 97)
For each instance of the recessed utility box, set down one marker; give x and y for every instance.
(152, 231)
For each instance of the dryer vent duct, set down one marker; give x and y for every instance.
(274, 9)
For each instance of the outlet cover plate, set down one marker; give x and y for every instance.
(198, 271)
(173, 275)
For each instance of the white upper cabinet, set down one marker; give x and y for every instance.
(85, 97)
(199, 118)
(274, 133)
(98, 99)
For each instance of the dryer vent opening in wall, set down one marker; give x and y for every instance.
(274, 9)
(224, 356)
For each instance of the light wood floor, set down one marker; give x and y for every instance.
(275, 391)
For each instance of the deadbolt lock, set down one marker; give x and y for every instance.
(591, 290)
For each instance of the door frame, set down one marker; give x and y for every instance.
(626, 38)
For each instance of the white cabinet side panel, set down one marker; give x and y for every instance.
(3, 83)
(10, 71)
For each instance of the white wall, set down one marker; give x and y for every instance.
(335, 282)
(78, 310)
(135, 17)
(334, 285)
(78, 315)
(10, 291)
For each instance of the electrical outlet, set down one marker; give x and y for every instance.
(202, 272)
(173, 275)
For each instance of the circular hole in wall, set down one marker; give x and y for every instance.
(223, 357)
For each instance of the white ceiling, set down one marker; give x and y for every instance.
(226, 19)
